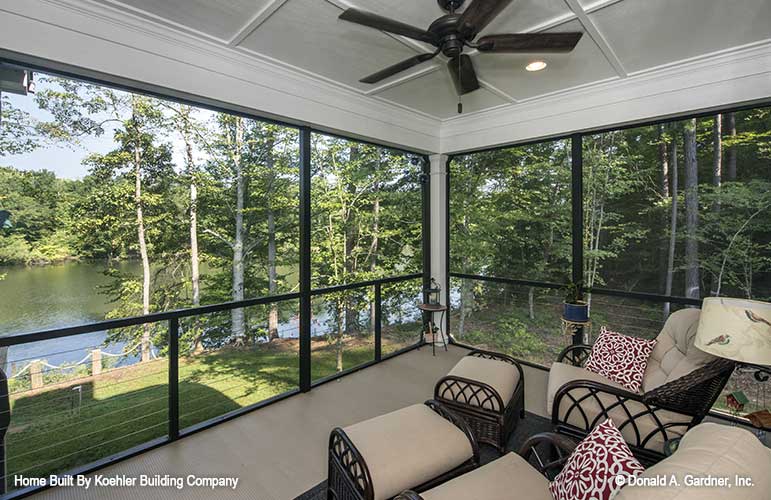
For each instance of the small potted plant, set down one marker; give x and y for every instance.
(575, 308)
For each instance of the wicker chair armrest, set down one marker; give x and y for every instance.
(594, 388)
(461, 424)
(556, 449)
(345, 453)
(576, 354)
(480, 353)
(693, 393)
(470, 392)
(633, 405)
(408, 495)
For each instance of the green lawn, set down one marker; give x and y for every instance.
(61, 427)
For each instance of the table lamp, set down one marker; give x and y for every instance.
(737, 329)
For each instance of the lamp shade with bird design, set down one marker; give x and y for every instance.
(737, 329)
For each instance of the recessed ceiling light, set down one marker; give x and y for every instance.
(536, 66)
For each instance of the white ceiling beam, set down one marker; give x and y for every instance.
(415, 45)
(256, 21)
(406, 77)
(599, 5)
(134, 12)
(598, 38)
(495, 90)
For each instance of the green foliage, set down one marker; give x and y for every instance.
(37, 201)
(573, 293)
(510, 335)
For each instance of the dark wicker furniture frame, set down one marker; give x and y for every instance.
(691, 395)
(492, 426)
(556, 447)
(348, 476)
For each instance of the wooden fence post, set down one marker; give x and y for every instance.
(36, 374)
(96, 361)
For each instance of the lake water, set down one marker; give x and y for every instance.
(44, 297)
(69, 294)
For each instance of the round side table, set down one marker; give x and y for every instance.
(431, 310)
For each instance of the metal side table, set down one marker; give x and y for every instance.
(432, 329)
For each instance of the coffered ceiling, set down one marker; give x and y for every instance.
(623, 38)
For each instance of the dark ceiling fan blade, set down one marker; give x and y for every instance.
(463, 75)
(479, 14)
(398, 68)
(385, 24)
(529, 42)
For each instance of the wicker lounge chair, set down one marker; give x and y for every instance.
(680, 385)
(706, 450)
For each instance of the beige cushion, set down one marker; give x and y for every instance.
(561, 373)
(501, 376)
(675, 354)
(408, 447)
(509, 477)
(710, 450)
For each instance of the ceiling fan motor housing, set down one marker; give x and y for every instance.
(446, 29)
(450, 5)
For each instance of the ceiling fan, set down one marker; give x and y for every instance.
(453, 31)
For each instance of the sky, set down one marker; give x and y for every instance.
(66, 160)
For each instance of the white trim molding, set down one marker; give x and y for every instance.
(738, 76)
(86, 36)
(94, 37)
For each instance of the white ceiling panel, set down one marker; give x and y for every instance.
(523, 15)
(519, 16)
(649, 33)
(307, 34)
(435, 94)
(219, 18)
(420, 13)
(506, 72)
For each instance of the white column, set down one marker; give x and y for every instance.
(438, 229)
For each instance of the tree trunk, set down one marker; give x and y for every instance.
(141, 235)
(664, 192)
(672, 229)
(731, 153)
(691, 212)
(374, 251)
(272, 271)
(195, 274)
(717, 151)
(531, 302)
(339, 345)
(465, 298)
(351, 313)
(238, 326)
(664, 172)
(272, 277)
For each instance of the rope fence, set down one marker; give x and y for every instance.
(38, 368)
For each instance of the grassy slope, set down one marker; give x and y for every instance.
(126, 407)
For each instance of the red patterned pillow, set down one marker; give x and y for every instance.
(620, 358)
(597, 468)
